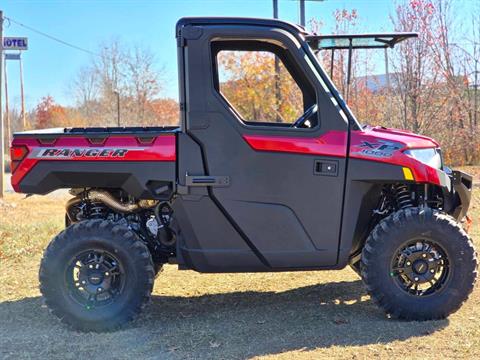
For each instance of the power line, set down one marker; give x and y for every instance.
(51, 37)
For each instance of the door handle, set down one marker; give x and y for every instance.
(325, 167)
(205, 180)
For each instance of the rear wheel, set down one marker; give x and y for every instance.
(419, 264)
(96, 275)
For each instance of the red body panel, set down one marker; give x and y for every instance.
(332, 143)
(372, 144)
(399, 141)
(113, 148)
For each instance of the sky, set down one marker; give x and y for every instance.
(49, 66)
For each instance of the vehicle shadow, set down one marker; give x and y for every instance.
(307, 318)
(224, 325)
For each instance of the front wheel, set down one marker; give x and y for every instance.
(419, 264)
(96, 275)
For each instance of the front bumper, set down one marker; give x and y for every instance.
(457, 199)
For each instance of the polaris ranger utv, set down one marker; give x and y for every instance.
(229, 191)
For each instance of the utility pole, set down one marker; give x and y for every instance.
(275, 9)
(118, 107)
(24, 122)
(2, 136)
(302, 12)
(7, 110)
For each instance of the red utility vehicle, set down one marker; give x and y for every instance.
(237, 188)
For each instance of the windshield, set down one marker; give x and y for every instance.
(318, 44)
(330, 88)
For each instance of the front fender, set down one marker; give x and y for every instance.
(458, 198)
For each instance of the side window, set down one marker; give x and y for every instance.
(261, 85)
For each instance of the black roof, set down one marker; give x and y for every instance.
(318, 42)
(241, 21)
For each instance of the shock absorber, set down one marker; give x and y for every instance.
(403, 196)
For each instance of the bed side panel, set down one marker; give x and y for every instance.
(144, 167)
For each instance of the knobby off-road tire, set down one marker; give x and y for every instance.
(111, 260)
(431, 238)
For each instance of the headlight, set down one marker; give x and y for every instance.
(431, 157)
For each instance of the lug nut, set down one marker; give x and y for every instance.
(84, 282)
(99, 289)
(409, 263)
(432, 271)
(90, 266)
(424, 255)
(106, 274)
(416, 279)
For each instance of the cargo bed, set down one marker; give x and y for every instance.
(138, 160)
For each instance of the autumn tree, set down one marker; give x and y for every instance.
(454, 64)
(248, 82)
(432, 81)
(144, 83)
(85, 88)
(345, 22)
(49, 114)
(165, 111)
(360, 97)
(414, 66)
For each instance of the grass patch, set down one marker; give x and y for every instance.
(291, 315)
(28, 224)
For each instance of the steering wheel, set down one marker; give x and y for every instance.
(305, 116)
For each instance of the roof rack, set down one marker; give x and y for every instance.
(358, 41)
(352, 42)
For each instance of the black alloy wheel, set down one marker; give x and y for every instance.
(420, 267)
(95, 278)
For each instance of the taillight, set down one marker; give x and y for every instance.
(17, 154)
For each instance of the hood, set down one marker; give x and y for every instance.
(405, 137)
